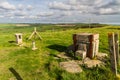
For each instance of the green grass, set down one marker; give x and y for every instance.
(40, 64)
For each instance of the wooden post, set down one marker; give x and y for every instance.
(35, 33)
(111, 41)
(117, 47)
(74, 43)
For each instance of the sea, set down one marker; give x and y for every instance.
(117, 24)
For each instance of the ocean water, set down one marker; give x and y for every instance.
(117, 24)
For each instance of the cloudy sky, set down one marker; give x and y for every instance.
(56, 11)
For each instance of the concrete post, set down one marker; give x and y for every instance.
(18, 38)
(33, 46)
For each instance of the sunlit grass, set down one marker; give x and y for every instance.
(40, 64)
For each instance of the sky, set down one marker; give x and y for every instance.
(59, 11)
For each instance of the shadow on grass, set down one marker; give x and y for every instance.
(57, 47)
(16, 74)
(12, 41)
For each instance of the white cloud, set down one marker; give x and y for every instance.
(16, 14)
(9, 10)
(25, 7)
(20, 7)
(33, 17)
(8, 15)
(73, 2)
(1, 16)
(7, 6)
(66, 13)
(97, 2)
(12, 17)
(59, 5)
(22, 17)
(29, 7)
(80, 7)
(80, 12)
(118, 2)
(107, 11)
(45, 14)
(87, 6)
(20, 13)
(58, 10)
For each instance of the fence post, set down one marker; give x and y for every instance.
(117, 47)
(111, 41)
(74, 43)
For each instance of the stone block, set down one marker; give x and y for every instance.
(81, 54)
(88, 42)
(71, 66)
(18, 38)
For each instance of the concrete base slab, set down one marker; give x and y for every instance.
(92, 63)
(71, 66)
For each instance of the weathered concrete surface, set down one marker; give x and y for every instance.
(101, 56)
(63, 55)
(81, 54)
(71, 66)
(18, 38)
(88, 42)
(92, 63)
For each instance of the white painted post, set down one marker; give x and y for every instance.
(33, 46)
(18, 38)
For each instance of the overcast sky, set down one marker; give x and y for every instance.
(55, 11)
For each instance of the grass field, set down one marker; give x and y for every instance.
(40, 64)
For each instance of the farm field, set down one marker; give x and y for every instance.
(41, 64)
